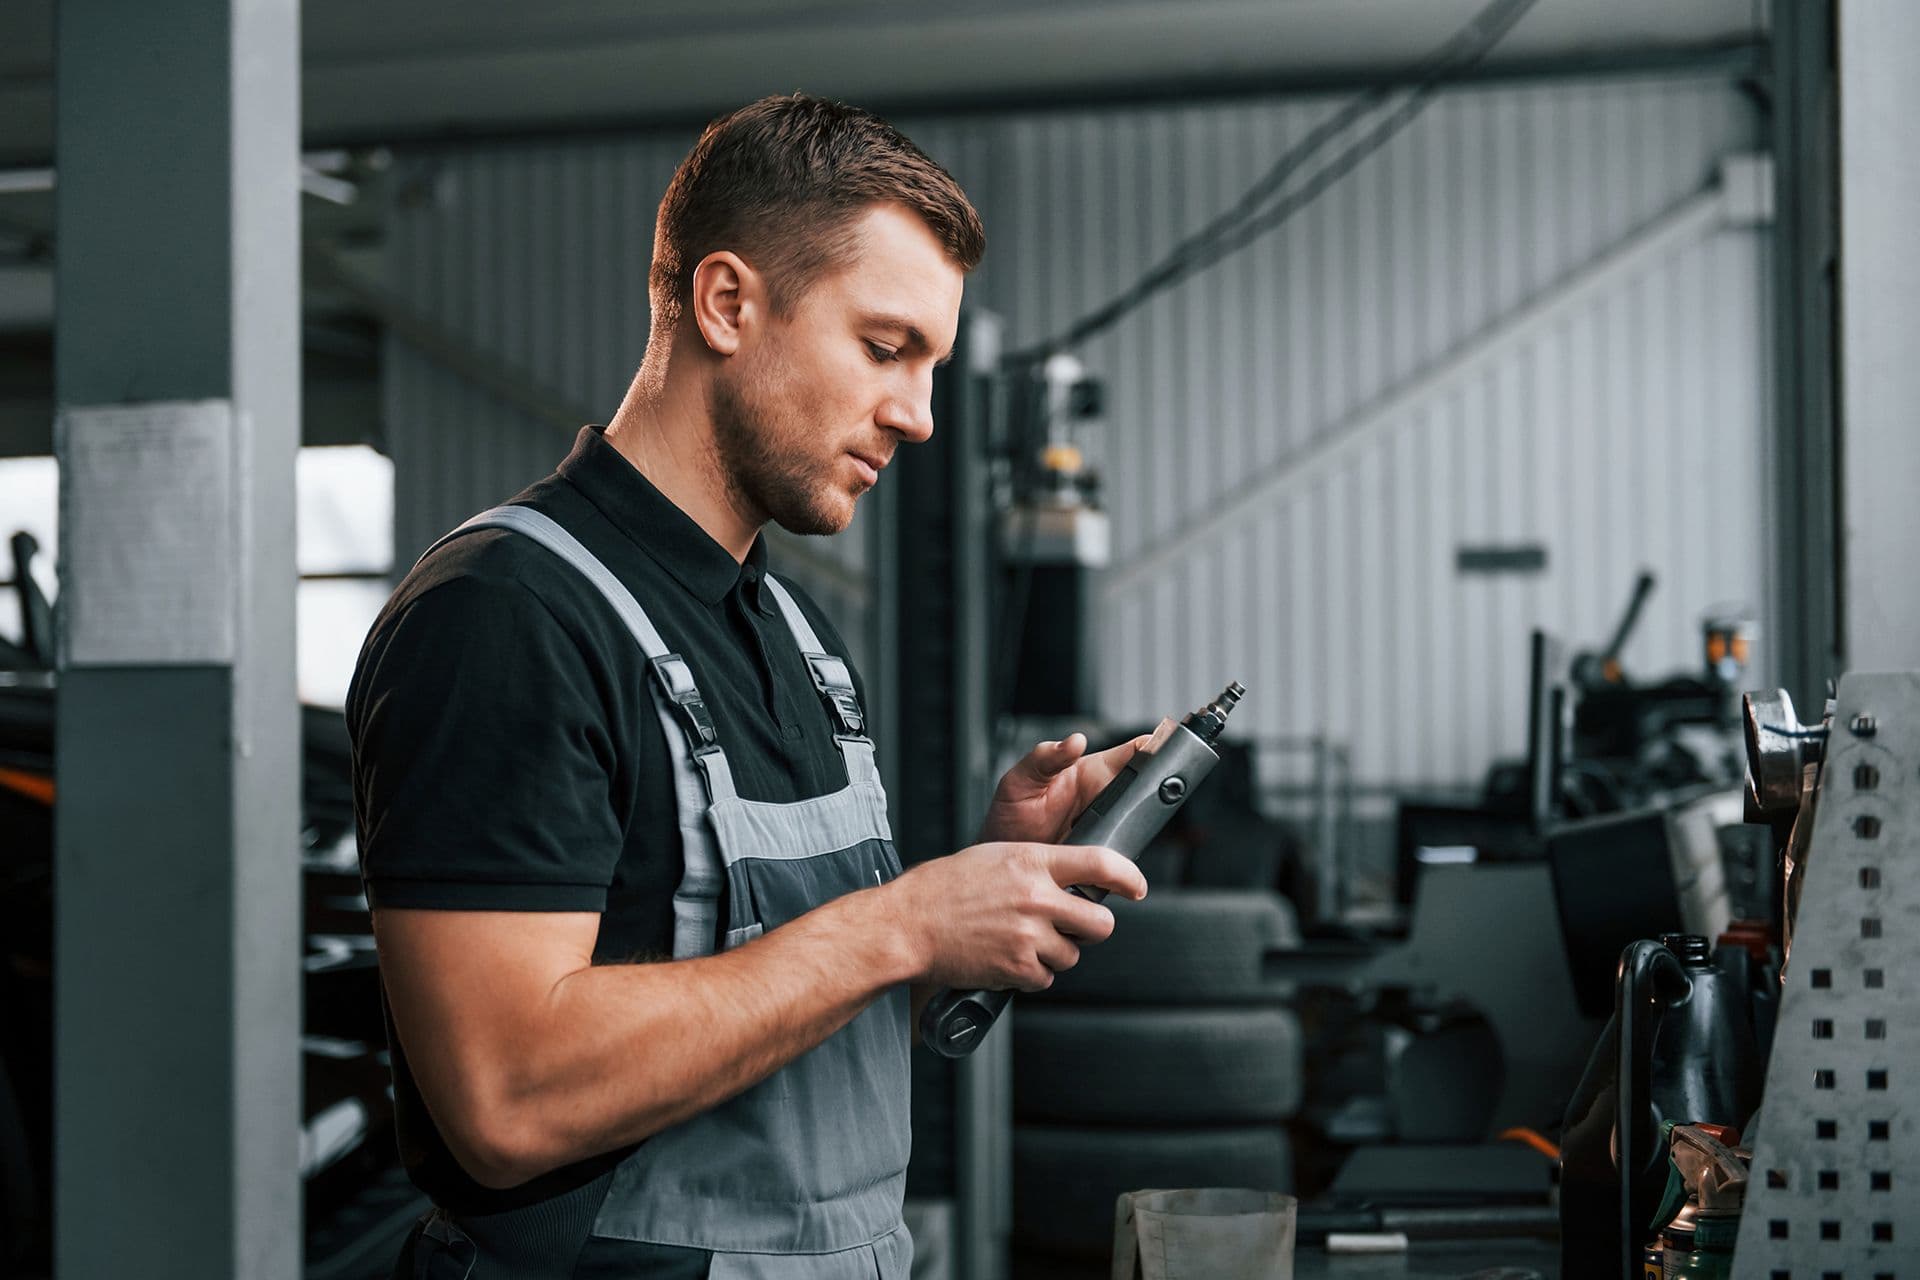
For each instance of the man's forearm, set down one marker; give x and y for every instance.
(623, 1051)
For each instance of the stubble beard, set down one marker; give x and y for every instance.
(764, 464)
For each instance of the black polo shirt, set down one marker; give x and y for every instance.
(507, 753)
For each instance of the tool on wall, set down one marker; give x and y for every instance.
(1125, 817)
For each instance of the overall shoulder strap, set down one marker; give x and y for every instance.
(701, 775)
(834, 680)
(546, 531)
(673, 679)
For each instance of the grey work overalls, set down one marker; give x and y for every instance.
(802, 1176)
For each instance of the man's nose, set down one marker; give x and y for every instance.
(910, 414)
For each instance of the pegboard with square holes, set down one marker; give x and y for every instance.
(1836, 1163)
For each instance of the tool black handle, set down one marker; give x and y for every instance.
(954, 1021)
(1124, 817)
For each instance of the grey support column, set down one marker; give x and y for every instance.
(1879, 333)
(177, 873)
(1800, 642)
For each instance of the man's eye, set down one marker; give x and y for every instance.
(880, 354)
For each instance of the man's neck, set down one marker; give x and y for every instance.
(669, 439)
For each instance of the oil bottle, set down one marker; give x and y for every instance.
(1680, 1048)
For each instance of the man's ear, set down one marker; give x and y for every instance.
(728, 300)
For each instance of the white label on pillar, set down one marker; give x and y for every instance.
(148, 570)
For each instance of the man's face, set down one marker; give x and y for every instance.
(808, 413)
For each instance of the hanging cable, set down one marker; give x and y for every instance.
(1240, 225)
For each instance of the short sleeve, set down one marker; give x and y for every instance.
(482, 756)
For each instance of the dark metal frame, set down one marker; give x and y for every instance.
(1806, 613)
(933, 565)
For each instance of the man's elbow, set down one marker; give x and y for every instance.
(498, 1149)
(502, 1146)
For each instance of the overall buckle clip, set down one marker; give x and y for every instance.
(676, 681)
(835, 683)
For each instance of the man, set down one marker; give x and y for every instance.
(592, 732)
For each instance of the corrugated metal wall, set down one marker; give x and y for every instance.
(534, 257)
(1622, 429)
(538, 255)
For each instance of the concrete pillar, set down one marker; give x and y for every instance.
(177, 872)
(1879, 334)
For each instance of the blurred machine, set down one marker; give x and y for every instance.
(1600, 742)
(1392, 1059)
(1053, 541)
(1677, 1161)
(1477, 1016)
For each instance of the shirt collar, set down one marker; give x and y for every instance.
(647, 516)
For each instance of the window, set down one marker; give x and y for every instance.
(344, 540)
(30, 498)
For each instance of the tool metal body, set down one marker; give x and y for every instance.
(1125, 817)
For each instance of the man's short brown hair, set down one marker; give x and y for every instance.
(780, 182)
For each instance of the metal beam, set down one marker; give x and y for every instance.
(1688, 221)
(468, 361)
(340, 396)
(1730, 59)
(1803, 612)
(177, 375)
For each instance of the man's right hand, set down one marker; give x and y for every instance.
(531, 1056)
(998, 916)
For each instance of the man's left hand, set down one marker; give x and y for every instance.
(1039, 797)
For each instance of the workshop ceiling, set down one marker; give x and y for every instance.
(379, 71)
